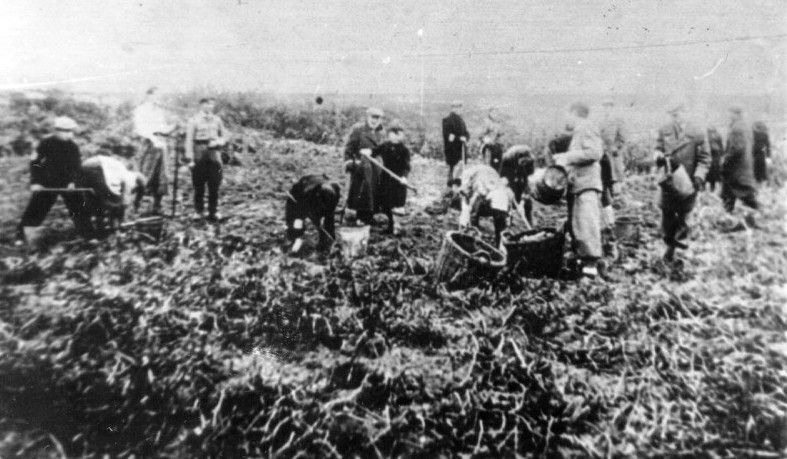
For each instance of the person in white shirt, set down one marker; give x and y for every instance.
(114, 188)
(152, 129)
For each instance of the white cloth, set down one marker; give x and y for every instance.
(118, 178)
(149, 118)
(499, 199)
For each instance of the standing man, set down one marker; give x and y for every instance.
(55, 164)
(205, 135)
(455, 137)
(684, 145)
(363, 139)
(614, 136)
(761, 150)
(151, 127)
(582, 162)
(716, 147)
(737, 167)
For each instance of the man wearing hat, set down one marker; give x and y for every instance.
(205, 135)
(455, 137)
(613, 135)
(391, 193)
(55, 164)
(151, 126)
(737, 167)
(679, 143)
(364, 138)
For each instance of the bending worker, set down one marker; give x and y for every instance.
(486, 194)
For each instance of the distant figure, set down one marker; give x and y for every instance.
(114, 188)
(614, 137)
(205, 136)
(150, 125)
(737, 167)
(395, 156)
(363, 139)
(716, 146)
(455, 137)
(490, 140)
(22, 145)
(517, 165)
(761, 151)
(684, 145)
(55, 164)
(314, 197)
(582, 162)
(485, 194)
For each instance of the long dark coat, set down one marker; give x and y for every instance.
(396, 157)
(737, 166)
(716, 145)
(453, 124)
(761, 150)
(363, 176)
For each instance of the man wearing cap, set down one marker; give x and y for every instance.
(581, 162)
(55, 164)
(205, 135)
(613, 135)
(455, 137)
(737, 167)
(679, 143)
(151, 127)
(363, 139)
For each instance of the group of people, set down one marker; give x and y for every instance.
(378, 164)
(97, 190)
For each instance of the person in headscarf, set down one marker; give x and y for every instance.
(395, 156)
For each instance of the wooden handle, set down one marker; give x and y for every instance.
(64, 190)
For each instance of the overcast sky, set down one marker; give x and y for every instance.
(483, 47)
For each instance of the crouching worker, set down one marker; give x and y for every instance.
(314, 197)
(581, 161)
(55, 165)
(486, 194)
(114, 188)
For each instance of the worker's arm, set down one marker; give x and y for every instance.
(590, 150)
(189, 153)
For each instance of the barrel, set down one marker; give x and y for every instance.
(549, 184)
(465, 260)
(536, 252)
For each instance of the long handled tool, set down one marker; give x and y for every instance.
(403, 182)
(176, 162)
(64, 190)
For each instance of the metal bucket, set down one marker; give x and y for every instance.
(677, 183)
(353, 240)
(548, 185)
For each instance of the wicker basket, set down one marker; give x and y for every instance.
(466, 260)
(627, 230)
(537, 252)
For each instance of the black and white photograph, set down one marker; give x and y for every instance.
(405, 229)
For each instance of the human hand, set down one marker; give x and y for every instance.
(366, 151)
(463, 139)
(70, 186)
(36, 187)
(451, 137)
(190, 164)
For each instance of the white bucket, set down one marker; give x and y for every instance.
(353, 240)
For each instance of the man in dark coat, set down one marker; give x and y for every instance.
(55, 164)
(737, 166)
(761, 151)
(390, 193)
(455, 137)
(716, 146)
(684, 145)
(363, 138)
(314, 197)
